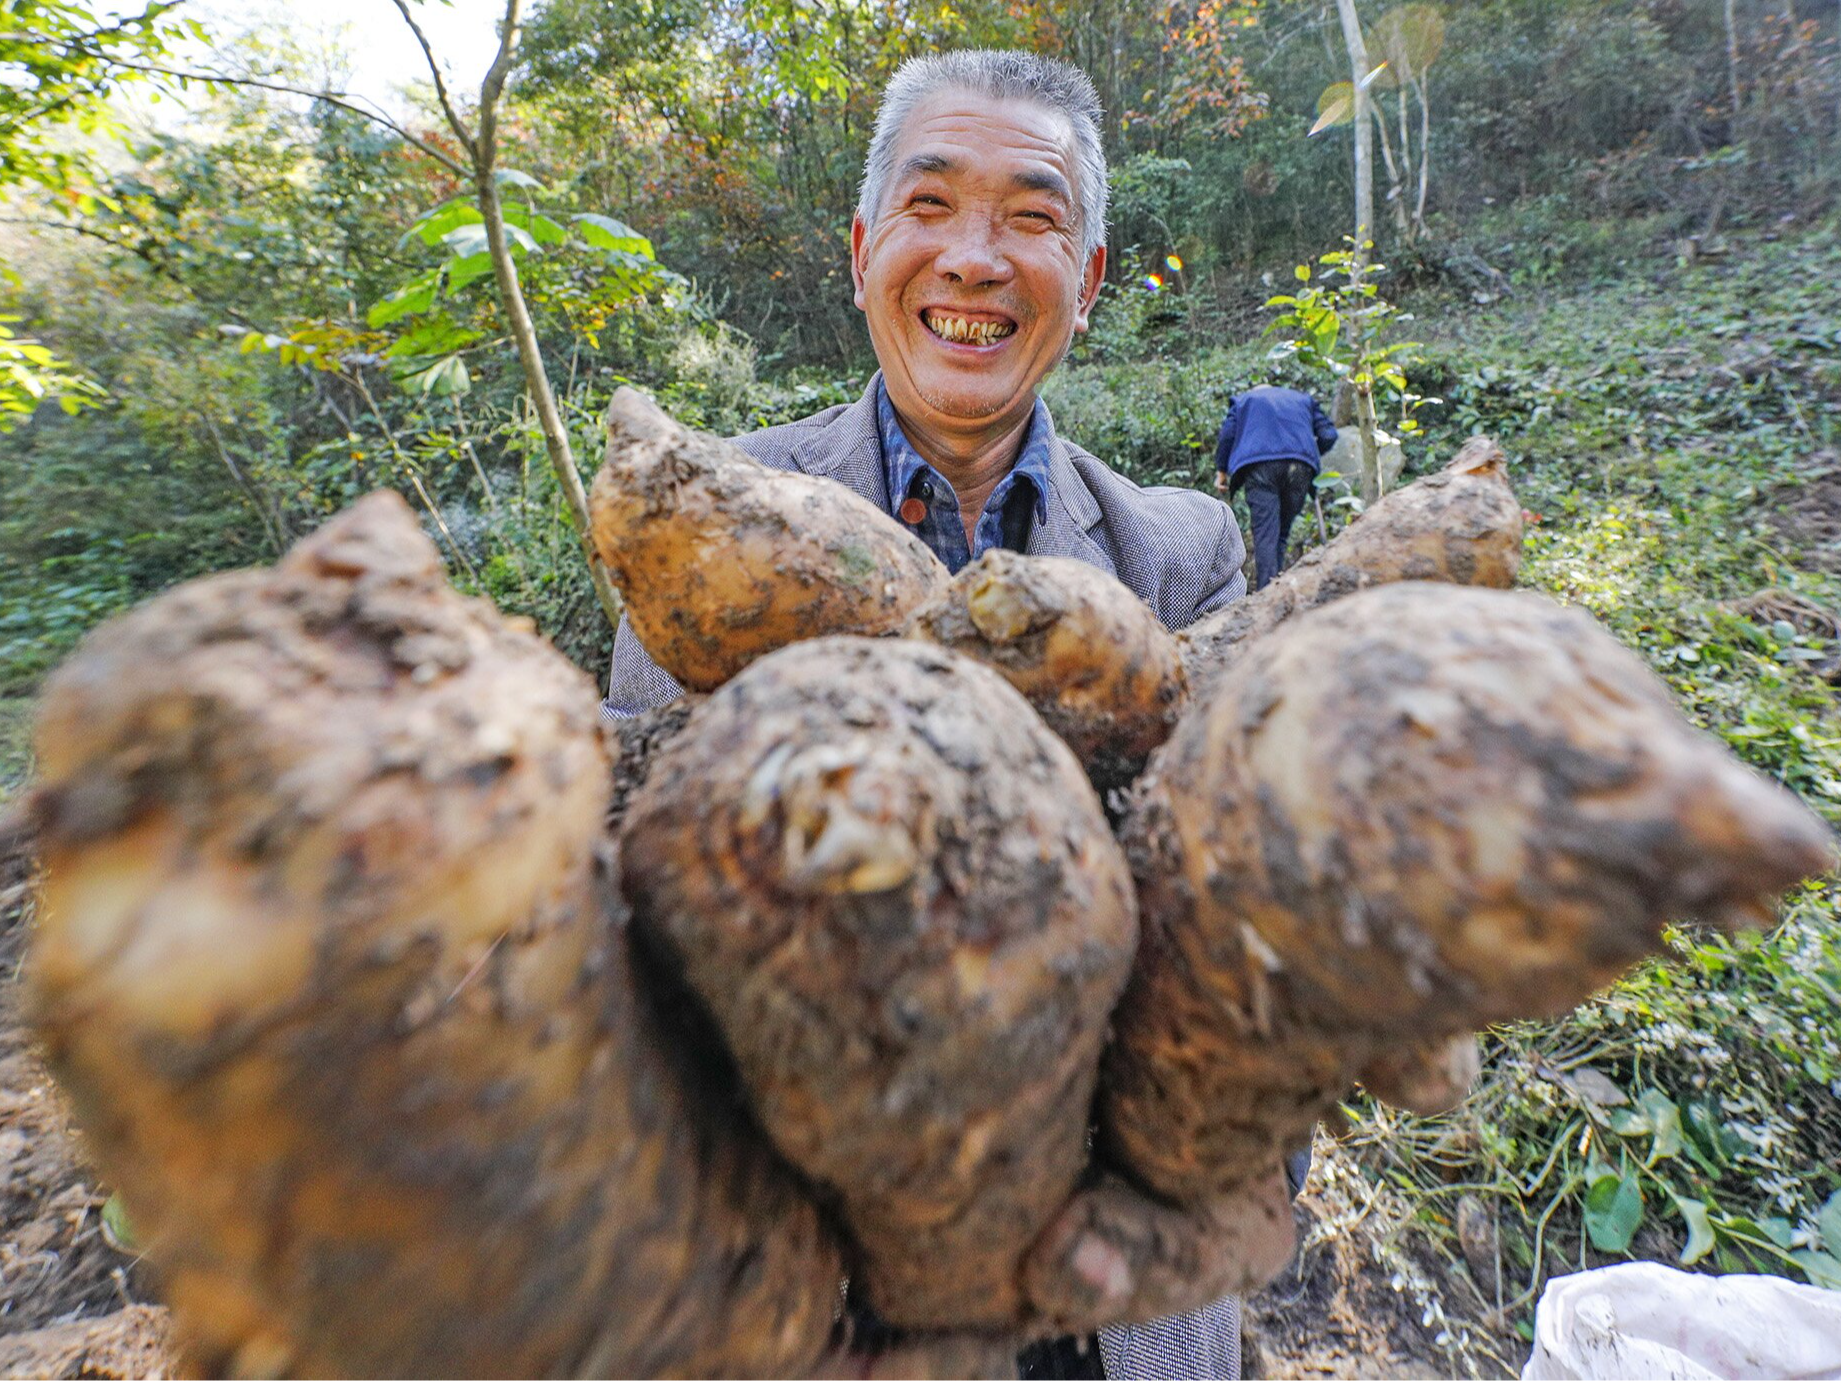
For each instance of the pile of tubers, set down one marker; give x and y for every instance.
(429, 1026)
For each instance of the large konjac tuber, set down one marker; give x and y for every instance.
(421, 1038)
(1461, 525)
(330, 962)
(721, 560)
(899, 899)
(1087, 653)
(1418, 811)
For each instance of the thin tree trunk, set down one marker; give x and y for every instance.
(517, 314)
(1364, 135)
(1425, 149)
(1732, 58)
(1405, 187)
(1364, 234)
(249, 490)
(1393, 166)
(466, 444)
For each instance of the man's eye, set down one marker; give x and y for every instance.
(925, 200)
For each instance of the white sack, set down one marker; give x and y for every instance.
(1652, 1323)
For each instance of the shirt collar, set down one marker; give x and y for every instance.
(901, 462)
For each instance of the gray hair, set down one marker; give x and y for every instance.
(1000, 75)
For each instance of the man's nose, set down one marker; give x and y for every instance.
(974, 253)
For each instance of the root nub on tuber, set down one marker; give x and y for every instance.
(1085, 652)
(721, 560)
(1418, 811)
(898, 897)
(329, 961)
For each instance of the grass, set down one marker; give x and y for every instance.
(1693, 1112)
(15, 745)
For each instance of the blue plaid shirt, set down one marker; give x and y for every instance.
(1020, 498)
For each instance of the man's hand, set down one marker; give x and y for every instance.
(1221, 481)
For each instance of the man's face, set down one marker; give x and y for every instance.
(972, 278)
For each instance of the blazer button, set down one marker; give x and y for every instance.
(912, 511)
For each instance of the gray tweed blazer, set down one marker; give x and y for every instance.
(1179, 550)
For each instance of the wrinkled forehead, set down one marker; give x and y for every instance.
(968, 135)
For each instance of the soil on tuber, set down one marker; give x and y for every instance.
(1084, 651)
(332, 964)
(898, 896)
(720, 560)
(1486, 811)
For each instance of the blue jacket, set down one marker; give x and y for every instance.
(1268, 423)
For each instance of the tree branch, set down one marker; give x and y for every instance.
(518, 316)
(434, 70)
(494, 85)
(336, 98)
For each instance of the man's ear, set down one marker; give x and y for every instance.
(1089, 287)
(859, 237)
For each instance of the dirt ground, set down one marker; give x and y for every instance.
(72, 1305)
(1806, 517)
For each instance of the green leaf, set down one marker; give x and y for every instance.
(442, 379)
(414, 297)
(1700, 1230)
(117, 1231)
(1828, 1221)
(1613, 1212)
(467, 240)
(1780, 1230)
(448, 216)
(511, 177)
(436, 334)
(1821, 1268)
(1302, 273)
(1665, 1121)
(462, 272)
(604, 232)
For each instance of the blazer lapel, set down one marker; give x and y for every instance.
(1072, 514)
(849, 450)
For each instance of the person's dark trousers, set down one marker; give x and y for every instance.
(1061, 1359)
(1277, 491)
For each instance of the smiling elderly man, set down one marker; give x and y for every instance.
(977, 251)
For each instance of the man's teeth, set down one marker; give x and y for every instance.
(957, 328)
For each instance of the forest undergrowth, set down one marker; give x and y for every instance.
(1677, 445)
(1675, 438)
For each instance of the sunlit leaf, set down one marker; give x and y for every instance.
(1336, 106)
(1409, 39)
(448, 216)
(442, 379)
(1828, 1221)
(1821, 1268)
(1700, 1230)
(604, 232)
(415, 296)
(1665, 1121)
(467, 240)
(540, 227)
(462, 272)
(511, 177)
